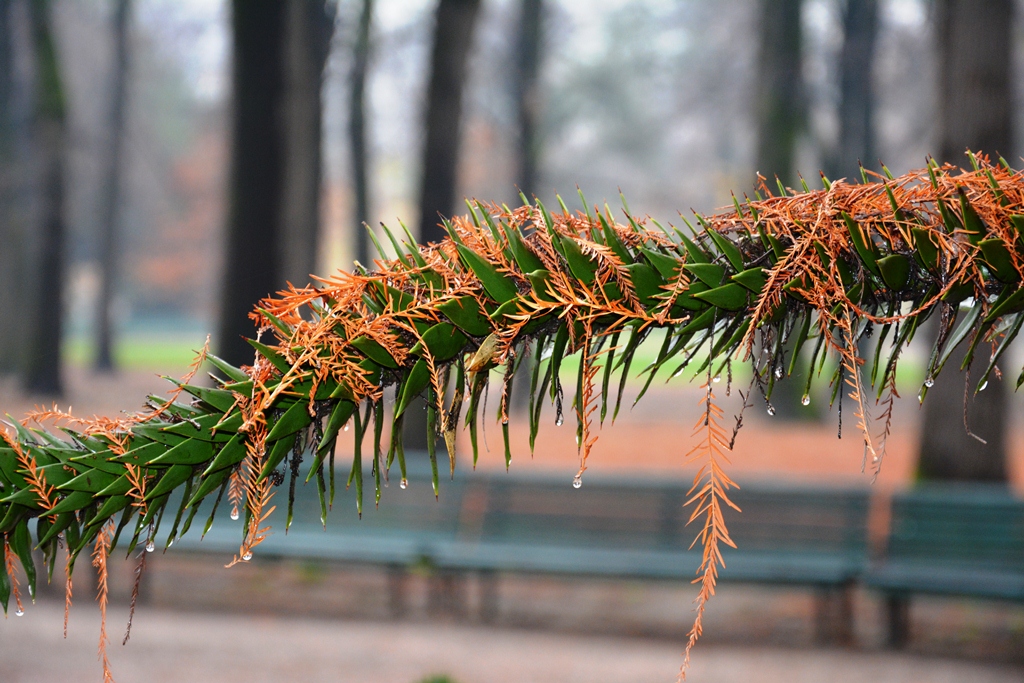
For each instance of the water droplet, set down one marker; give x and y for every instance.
(346, 426)
(717, 379)
(778, 372)
(404, 484)
(234, 513)
(170, 543)
(771, 409)
(19, 612)
(504, 420)
(247, 556)
(930, 382)
(806, 400)
(150, 546)
(577, 482)
(559, 421)
(983, 386)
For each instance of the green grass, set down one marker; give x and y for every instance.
(160, 352)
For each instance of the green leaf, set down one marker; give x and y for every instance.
(895, 269)
(729, 297)
(296, 417)
(752, 278)
(414, 384)
(498, 286)
(444, 341)
(710, 274)
(998, 259)
(465, 312)
(862, 243)
(730, 250)
(374, 351)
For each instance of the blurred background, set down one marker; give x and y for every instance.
(166, 163)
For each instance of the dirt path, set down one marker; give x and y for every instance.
(169, 646)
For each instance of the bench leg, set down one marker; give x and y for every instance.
(834, 615)
(897, 608)
(488, 583)
(448, 593)
(398, 589)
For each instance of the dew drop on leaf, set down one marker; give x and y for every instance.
(234, 513)
(346, 426)
(806, 400)
(717, 379)
(771, 409)
(404, 484)
(930, 382)
(150, 546)
(247, 556)
(984, 385)
(778, 372)
(577, 482)
(19, 612)
(558, 421)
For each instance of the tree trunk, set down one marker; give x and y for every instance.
(856, 92)
(253, 265)
(43, 353)
(357, 134)
(529, 44)
(10, 238)
(779, 110)
(528, 55)
(974, 89)
(453, 36)
(310, 27)
(111, 193)
(779, 103)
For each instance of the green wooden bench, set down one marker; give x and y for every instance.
(955, 540)
(493, 523)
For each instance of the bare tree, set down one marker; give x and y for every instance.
(779, 111)
(779, 102)
(529, 42)
(253, 266)
(357, 134)
(45, 332)
(111, 190)
(310, 25)
(856, 92)
(453, 35)
(973, 45)
(11, 250)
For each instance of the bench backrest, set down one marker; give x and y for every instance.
(650, 515)
(977, 526)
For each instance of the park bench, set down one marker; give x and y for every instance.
(494, 523)
(953, 540)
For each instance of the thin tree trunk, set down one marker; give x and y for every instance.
(856, 91)
(453, 37)
(779, 111)
(10, 239)
(310, 27)
(529, 44)
(253, 266)
(528, 55)
(43, 354)
(779, 89)
(111, 196)
(357, 133)
(974, 60)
